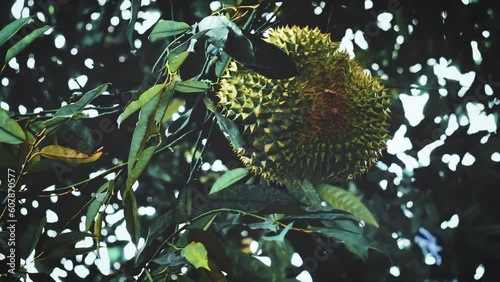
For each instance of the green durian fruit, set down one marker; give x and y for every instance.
(327, 124)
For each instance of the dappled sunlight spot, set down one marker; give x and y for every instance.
(17, 9)
(73, 51)
(394, 271)
(41, 17)
(24, 211)
(368, 4)
(13, 64)
(82, 271)
(476, 54)
(121, 234)
(114, 21)
(451, 223)
(89, 63)
(488, 90)
(346, 43)
(304, 276)
(480, 270)
(265, 260)
(67, 263)
(146, 211)
(464, 121)
(383, 184)
(495, 157)
(410, 162)
(399, 143)
(384, 21)
(91, 113)
(51, 216)
(215, 5)
(218, 166)
(451, 160)
(360, 40)
(422, 79)
(413, 107)
(103, 262)
(58, 273)
(30, 63)
(129, 251)
(403, 243)
(150, 18)
(51, 233)
(22, 109)
(59, 41)
(468, 160)
(5, 82)
(479, 120)
(137, 43)
(114, 218)
(296, 260)
(415, 68)
(486, 34)
(54, 198)
(452, 125)
(78, 82)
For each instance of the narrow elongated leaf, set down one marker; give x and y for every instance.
(68, 252)
(354, 241)
(84, 101)
(346, 201)
(164, 104)
(23, 43)
(227, 126)
(229, 178)
(280, 237)
(144, 98)
(134, 11)
(305, 193)
(247, 268)
(63, 240)
(177, 61)
(56, 152)
(9, 30)
(192, 86)
(30, 237)
(156, 229)
(140, 165)
(172, 108)
(196, 254)
(10, 131)
(102, 195)
(132, 221)
(144, 129)
(166, 28)
(328, 215)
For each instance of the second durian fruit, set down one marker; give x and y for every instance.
(327, 124)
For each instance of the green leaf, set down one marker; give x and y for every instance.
(166, 28)
(192, 86)
(172, 108)
(144, 98)
(353, 241)
(68, 252)
(346, 201)
(229, 178)
(10, 131)
(227, 126)
(101, 197)
(23, 43)
(72, 111)
(247, 268)
(177, 61)
(164, 104)
(144, 129)
(9, 30)
(63, 240)
(327, 215)
(156, 229)
(196, 254)
(30, 237)
(134, 10)
(231, 2)
(132, 221)
(280, 237)
(140, 166)
(305, 193)
(250, 198)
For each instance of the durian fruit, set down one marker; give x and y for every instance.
(327, 124)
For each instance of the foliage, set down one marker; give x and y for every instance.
(124, 168)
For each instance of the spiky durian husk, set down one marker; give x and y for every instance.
(329, 123)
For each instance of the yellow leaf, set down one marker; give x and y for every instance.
(196, 254)
(56, 152)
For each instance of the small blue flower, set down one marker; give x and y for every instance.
(428, 243)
